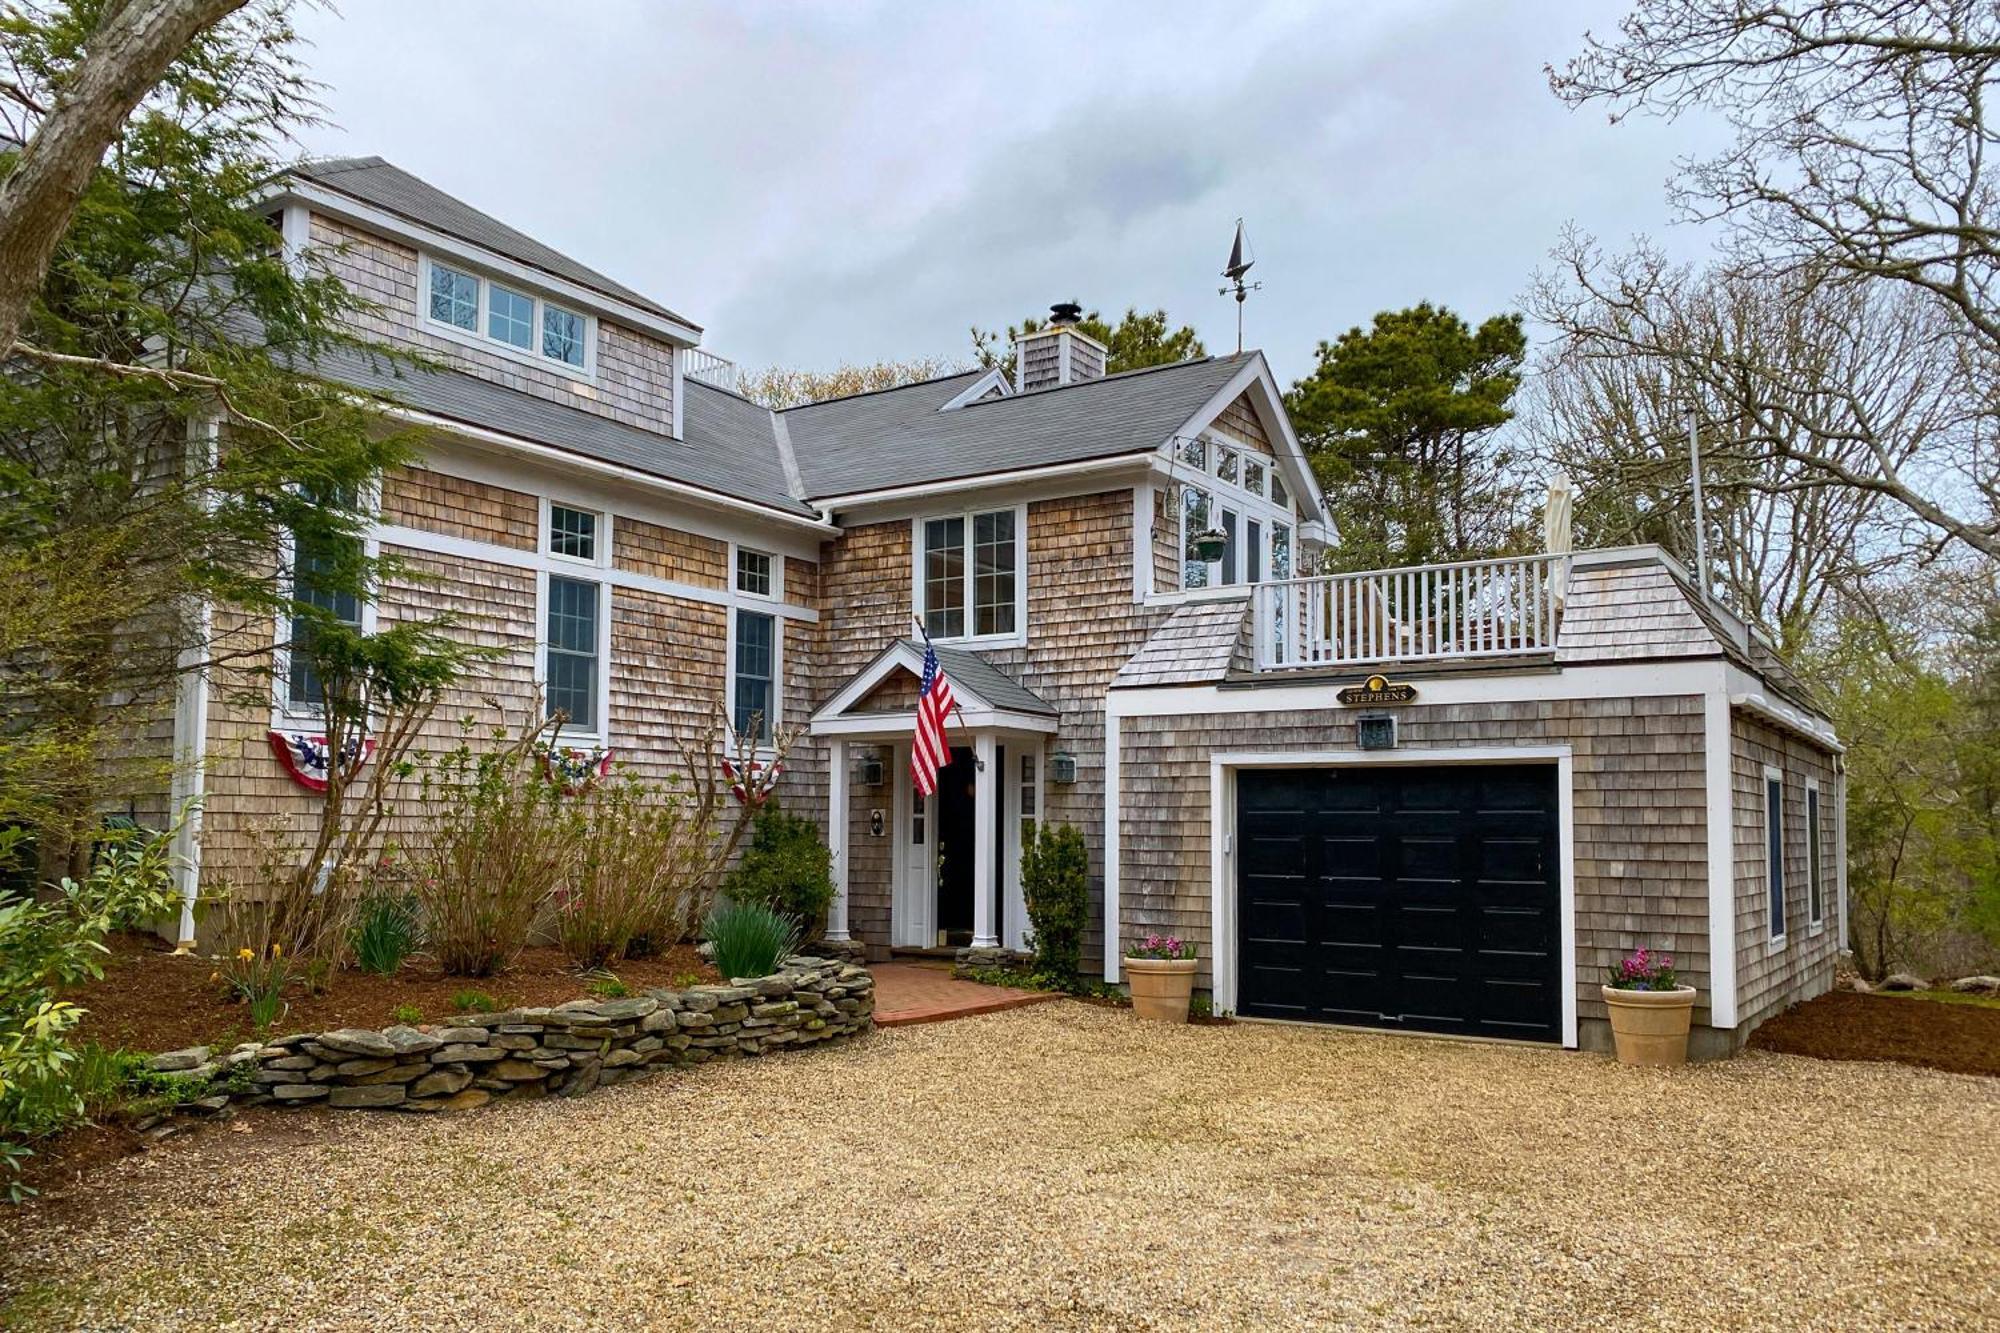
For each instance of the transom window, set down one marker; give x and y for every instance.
(969, 578)
(529, 325)
(756, 671)
(572, 651)
(753, 572)
(572, 532)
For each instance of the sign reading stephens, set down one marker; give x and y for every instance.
(1377, 690)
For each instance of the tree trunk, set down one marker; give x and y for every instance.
(125, 59)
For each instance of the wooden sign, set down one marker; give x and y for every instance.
(1377, 690)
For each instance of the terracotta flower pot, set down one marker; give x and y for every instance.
(1161, 987)
(1650, 1027)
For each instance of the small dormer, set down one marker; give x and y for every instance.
(1058, 353)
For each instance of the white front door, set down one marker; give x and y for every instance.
(913, 908)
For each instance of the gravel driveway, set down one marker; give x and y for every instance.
(1069, 1167)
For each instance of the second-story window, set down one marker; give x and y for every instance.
(518, 323)
(968, 580)
(454, 297)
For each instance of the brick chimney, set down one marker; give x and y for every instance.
(1058, 352)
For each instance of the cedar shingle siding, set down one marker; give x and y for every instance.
(1767, 980)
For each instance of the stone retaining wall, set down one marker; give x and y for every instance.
(567, 1050)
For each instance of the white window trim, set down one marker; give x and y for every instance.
(1776, 936)
(1019, 636)
(766, 749)
(284, 715)
(580, 571)
(1815, 867)
(777, 593)
(479, 338)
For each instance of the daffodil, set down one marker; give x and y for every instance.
(245, 954)
(277, 952)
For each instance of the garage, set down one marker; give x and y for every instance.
(1402, 896)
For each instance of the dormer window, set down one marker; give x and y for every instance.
(504, 319)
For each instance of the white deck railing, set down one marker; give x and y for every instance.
(1475, 608)
(709, 368)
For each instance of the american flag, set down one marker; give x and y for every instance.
(929, 751)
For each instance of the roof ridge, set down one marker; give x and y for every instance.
(1121, 376)
(891, 388)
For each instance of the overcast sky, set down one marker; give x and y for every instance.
(816, 183)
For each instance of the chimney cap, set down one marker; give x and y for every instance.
(1065, 313)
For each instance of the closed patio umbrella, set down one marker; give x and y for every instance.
(1556, 537)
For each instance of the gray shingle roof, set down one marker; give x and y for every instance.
(969, 671)
(1198, 644)
(1631, 611)
(386, 186)
(728, 449)
(898, 437)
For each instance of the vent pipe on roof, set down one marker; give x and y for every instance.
(1058, 352)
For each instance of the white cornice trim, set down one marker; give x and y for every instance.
(381, 220)
(1133, 462)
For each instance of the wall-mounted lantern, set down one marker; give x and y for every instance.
(1376, 731)
(872, 772)
(1062, 768)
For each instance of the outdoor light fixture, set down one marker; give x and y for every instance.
(871, 769)
(1062, 768)
(1376, 731)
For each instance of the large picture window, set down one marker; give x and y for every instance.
(968, 575)
(572, 651)
(1239, 495)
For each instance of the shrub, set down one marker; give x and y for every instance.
(1055, 881)
(750, 939)
(635, 881)
(496, 845)
(385, 932)
(786, 867)
(408, 1013)
(53, 942)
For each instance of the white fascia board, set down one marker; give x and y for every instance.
(1048, 481)
(1633, 680)
(599, 468)
(1786, 718)
(973, 709)
(375, 219)
(894, 725)
(1255, 379)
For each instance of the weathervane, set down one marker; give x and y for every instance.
(1240, 260)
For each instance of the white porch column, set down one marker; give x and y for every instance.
(836, 835)
(983, 786)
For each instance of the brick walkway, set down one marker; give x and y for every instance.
(913, 993)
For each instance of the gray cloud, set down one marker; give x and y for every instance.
(818, 184)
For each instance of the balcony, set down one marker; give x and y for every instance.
(1473, 609)
(716, 371)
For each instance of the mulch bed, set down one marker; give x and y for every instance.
(150, 1000)
(1844, 1025)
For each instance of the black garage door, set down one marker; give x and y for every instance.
(1399, 896)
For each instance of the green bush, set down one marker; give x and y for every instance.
(385, 932)
(1055, 881)
(786, 868)
(50, 943)
(750, 939)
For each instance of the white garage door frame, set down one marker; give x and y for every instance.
(1222, 770)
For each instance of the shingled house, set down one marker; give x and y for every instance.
(1437, 799)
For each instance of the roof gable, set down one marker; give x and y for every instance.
(885, 691)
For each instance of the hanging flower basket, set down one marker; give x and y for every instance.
(1207, 545)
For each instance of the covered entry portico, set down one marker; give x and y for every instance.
(911, 872)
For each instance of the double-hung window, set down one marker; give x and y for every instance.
(315, 560)
(1774, 850)
(528, 326)
(968, 575)
(575, 617)
(756, 673)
